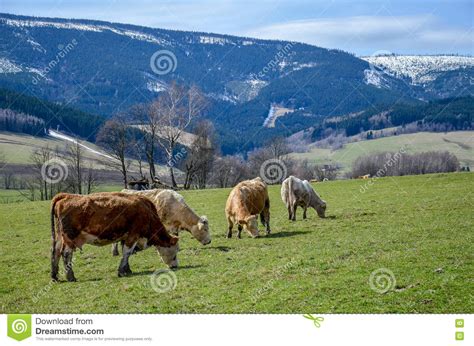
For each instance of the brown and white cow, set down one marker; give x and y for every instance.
(104, 218)
(175, 215)
(296, 192)
(246, 200)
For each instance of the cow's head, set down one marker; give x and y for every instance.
(200, 231)
(250, 224)
(169, 255)
(321, 209)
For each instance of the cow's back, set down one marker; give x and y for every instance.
(250, 194)
(107, 216)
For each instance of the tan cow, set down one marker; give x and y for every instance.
(175, 214)
(296, 192)
(246, 200)
(104, 218)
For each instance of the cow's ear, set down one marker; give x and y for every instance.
(174, 241)
(204, 220)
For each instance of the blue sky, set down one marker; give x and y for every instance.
(361, 27)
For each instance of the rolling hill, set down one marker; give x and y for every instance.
(460, 143)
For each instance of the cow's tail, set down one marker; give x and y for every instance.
(53, 229)
(290, 192)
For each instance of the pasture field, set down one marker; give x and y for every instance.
(460, 143)
(417, 228)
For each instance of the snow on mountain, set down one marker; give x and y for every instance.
(156, 86)
(136, 35)
(6, 66)
(214, 40)
(420, 69)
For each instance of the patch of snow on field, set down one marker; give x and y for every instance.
(63, 137)
(420, 68)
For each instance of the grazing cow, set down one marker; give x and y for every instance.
(296, 192)
(104, 218)
(175, 214)
(246, 200)
(367, 176)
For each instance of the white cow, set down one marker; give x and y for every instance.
(175, 214)
(296, 192)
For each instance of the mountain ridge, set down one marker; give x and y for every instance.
(110, 69)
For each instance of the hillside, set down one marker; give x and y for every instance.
(460, 143)
(437, 115)
(34, 116)
(103, 68)
(18, 148)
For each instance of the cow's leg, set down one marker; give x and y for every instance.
(115, 250)
(304, 212)
(290, 215)
(239, 228)
(266, 217)
(124, 267)
(229, 230)
(56, 251)
(67, 259)
(294, 211)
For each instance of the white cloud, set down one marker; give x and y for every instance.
(367, 34)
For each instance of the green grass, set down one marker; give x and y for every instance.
(460, 143)
(418, 227)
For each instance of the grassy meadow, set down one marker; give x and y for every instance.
(417, 228)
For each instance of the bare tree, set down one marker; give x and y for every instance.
(39, 159)
(277, 149)
(91, 180)
(176, 108)
(228, 171)
(200, 156)
(114, 136)
(75, 159)
(147, 118)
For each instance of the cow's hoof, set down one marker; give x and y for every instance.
(54, 278)
(72, 279)
(124, 274)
